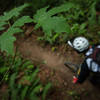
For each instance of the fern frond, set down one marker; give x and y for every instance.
(46, 88)
(7, 39)
(2, 23)
(62, 8)
(12, 81)
(51, 23)
(13, 30)
(13, 13)
(92, 13)
(56, 24)
(20, 22)
(36, 89)
(41, 15)
(23, 94)
(33, 76)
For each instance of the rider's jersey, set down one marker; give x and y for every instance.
(92, 65)
(89, 66)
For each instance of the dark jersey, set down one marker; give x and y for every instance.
(89, 66)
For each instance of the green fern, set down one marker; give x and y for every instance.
(92, 14)
(33, 76)
(46, 89)
(24, 93)
(51, 23)
(2, 23)
(16, 89)
(14, 92)
(13, 13)
(20, 22)
(7, 39)
(9, 15)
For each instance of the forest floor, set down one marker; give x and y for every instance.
(52, 69)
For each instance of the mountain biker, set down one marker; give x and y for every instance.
(91, 64)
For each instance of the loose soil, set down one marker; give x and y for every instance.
(52, 69)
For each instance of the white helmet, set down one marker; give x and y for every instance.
(79, 43)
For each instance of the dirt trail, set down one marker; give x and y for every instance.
(31, 49)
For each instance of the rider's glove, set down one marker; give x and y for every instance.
(75, 79)
(90, 46)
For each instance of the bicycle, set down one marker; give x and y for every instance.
(75, 68)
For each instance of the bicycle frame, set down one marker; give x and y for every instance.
(73, 67)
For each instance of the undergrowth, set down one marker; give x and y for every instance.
(20, 78)
(7, 37)
(68, 20)
(58, 23)
(17, 75)
(52, 25)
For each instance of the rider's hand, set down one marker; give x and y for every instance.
(90, 46)
(75, 79)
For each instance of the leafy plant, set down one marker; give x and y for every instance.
(51, 24)
(13, 13)
(71, 18)
(22, 81)
(79, 29)
(88, 9)
(47, 87)
(92, 13)
(36, 4)
(7, 39)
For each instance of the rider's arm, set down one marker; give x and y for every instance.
(84, 72)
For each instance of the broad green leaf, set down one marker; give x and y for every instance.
(13, 13)
(12, 31)
(51, 23)
(62, 8)
(6, 43)
(20, 22)
(2, 23)
(40, 15)
(7, 39)
(60, 25)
